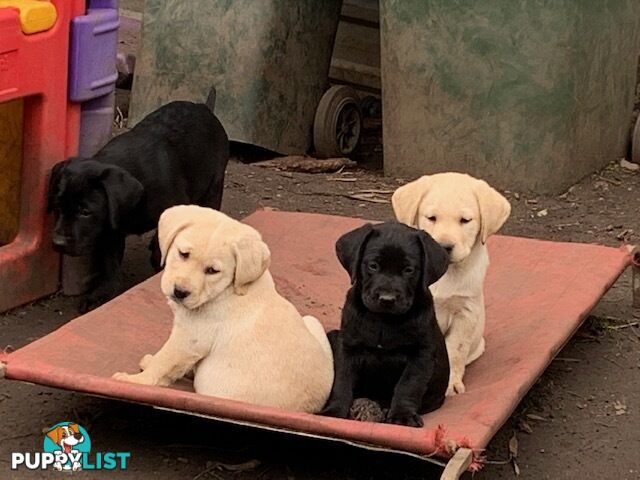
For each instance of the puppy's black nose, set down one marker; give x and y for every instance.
(387, 299)
(448, 247)
(180, 294)
(77, 436)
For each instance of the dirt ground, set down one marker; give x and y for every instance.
(581, 420)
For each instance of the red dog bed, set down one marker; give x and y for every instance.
(537, 294)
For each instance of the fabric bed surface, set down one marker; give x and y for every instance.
(537, 294)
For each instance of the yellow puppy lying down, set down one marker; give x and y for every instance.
(245, 341)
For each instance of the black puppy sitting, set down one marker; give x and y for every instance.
(390, 348)
(176, 155)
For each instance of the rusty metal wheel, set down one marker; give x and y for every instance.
(338, 122)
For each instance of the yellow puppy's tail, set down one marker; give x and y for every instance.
(317, 330)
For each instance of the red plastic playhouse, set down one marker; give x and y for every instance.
(39, 126)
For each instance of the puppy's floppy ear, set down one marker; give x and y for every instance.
(494, 209)
(172, 221)
(74, 427)
(349, 248)
(406, 200)
(123, 193)
(55, 435)
(54, 183)
(252, 260)
(435, 258)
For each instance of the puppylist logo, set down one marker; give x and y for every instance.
(67, 448)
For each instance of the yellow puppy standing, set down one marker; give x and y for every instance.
(460, 212)
(245, 341)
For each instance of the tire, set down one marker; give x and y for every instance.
(337, 123)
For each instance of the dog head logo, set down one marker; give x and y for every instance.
(67, 448)
(68, 442)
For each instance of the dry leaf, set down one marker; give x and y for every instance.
(382, 192)
(240, 467)
(533, 416)
(304, 164)
(627, 165)
(625, 233)
(342, 179)
(620, 407)
(524, 426)
(513, 446)
(366, 197)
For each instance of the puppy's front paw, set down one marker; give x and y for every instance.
(335, 409)
(139, 378)
(145, 361)
(88, 304)
(407, 419)
(94, 300)
(455, 387)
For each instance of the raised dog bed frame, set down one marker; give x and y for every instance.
(537, 295)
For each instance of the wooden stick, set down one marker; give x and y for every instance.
(458, 464)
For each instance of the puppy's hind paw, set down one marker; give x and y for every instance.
(145, 361)
(121, 376)
(139, 378)
(455, 387)
(405, 418)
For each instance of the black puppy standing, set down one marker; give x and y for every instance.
(390, 348)
(176, 155)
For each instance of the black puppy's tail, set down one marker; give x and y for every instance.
(211, 99)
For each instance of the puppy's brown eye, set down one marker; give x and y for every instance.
(465, 220)
(373, 266)
(183, 255)
(432, 218)
(211, 271)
